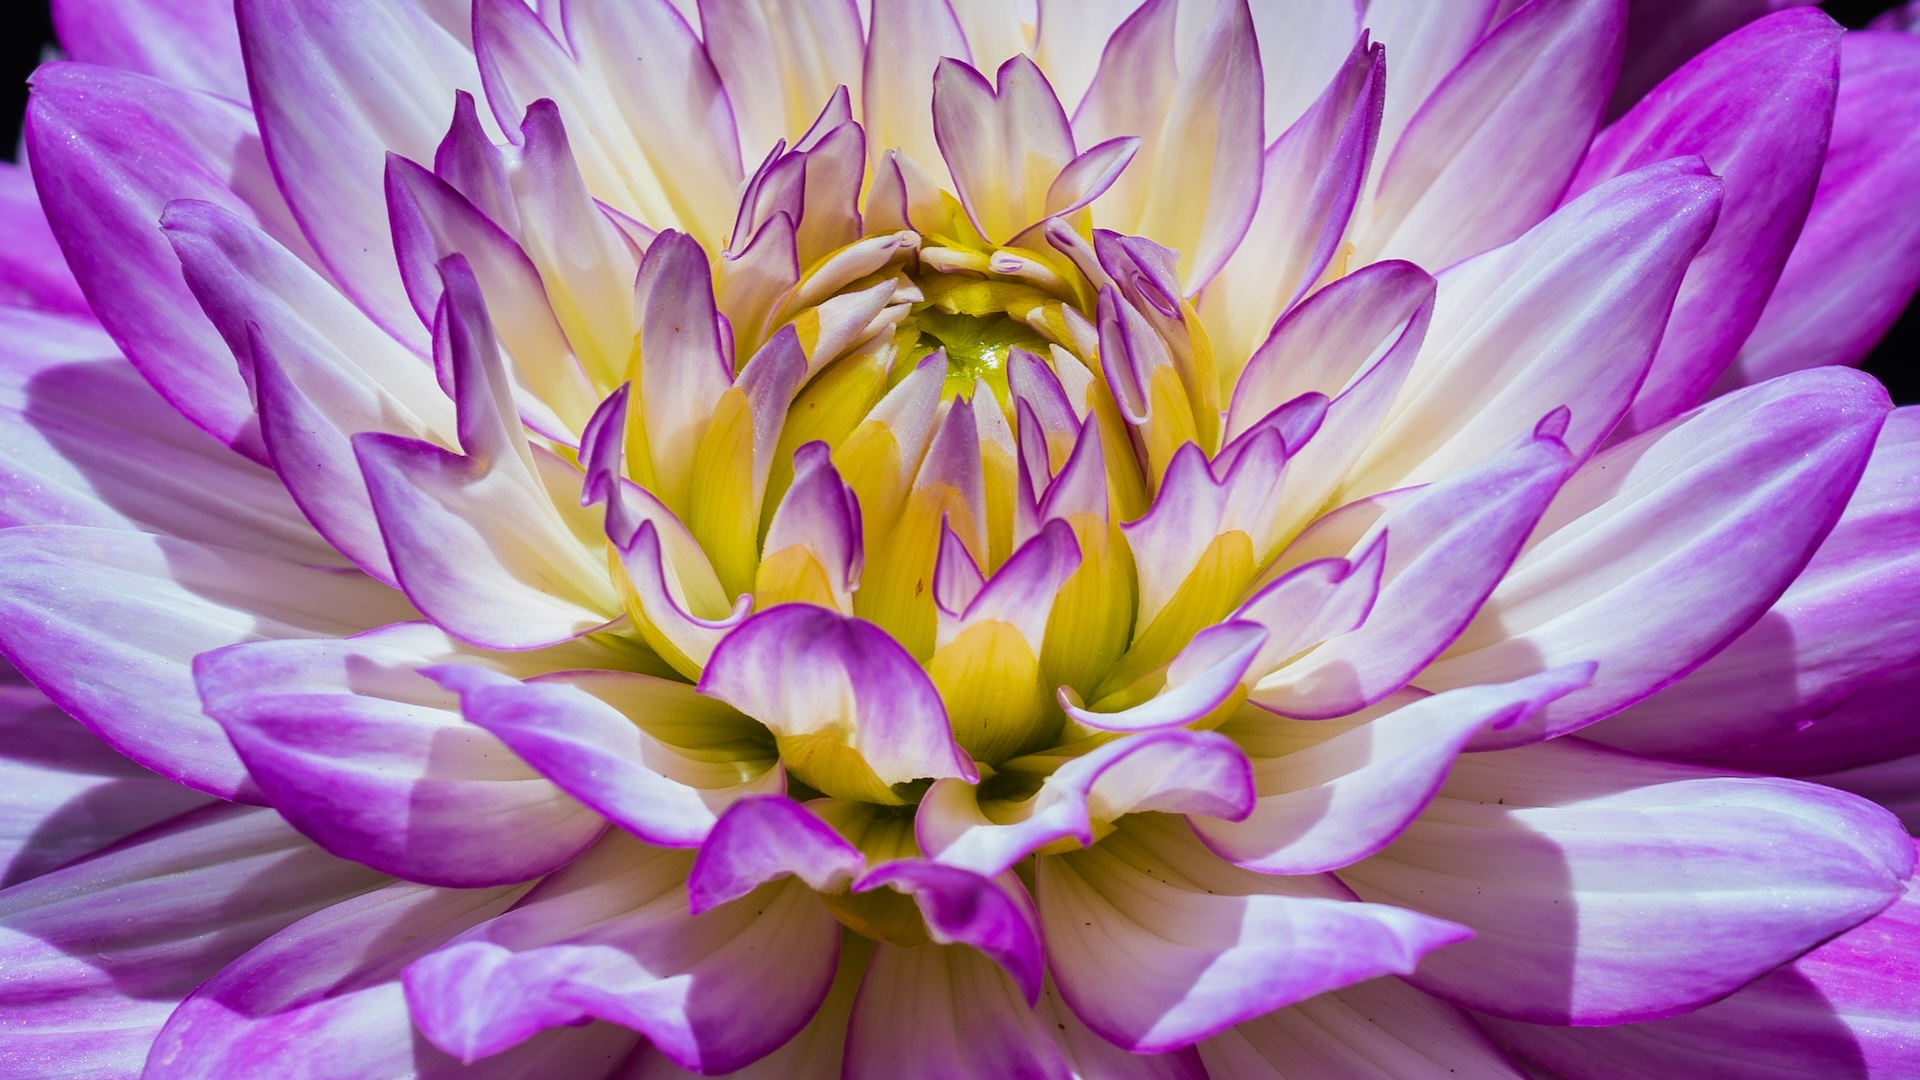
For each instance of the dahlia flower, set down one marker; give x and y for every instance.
(617, 538)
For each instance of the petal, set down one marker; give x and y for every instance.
(1533, 91)
(1383, 1028)
(1608, 888)
(1568, 315)
(763, 838)
(945, 1012)
(1309, 183)
(328, 989)
(110, 150)
(779, 62)
(1857, 260)
(1175, 772)
(961, 907)
(1448, 546)
(322, 371)
(587, 731)
(685, 370)
(1427, 42)
(1338, 801)
(108, 622)
(1004, 145)
(1757, 107)
(371, 759)
(906, 41)
(33, 272)
(1872, 724)
(191, 44)
(88, 442)
(1156, 944)
(493, 545)
(820, 518)
(812, 675)
(610, 937)
(1852, 615)
(337, 86)
(1663, 35)
(67, 794)
(1847, 1008)
(1661, 550)
(98, 954)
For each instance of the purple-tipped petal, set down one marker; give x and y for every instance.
(1089, 175)
(1608, 888)
(610, 937)
(491, 544)
(1566, 316)
(1664, 34)
(1170, 772)
(1660, 551)
(805, 671)
(684, 371)
(1199, 680)
(108, 622)
(1310, 180)
(1448, 546)
(1857, 260)
(322, 371)
(1757, 107)
(98, 954)
(1005, 146)
(327, 989)
(1382, 1028)
(336, 87)
(1206, 945)
(1851, 615)
(906, 41)
(110, 149)
(586, 732)
(964, 908)
(368, 757)
(821, 515)
(1021, 593)
(1847, 1008)
(765, 837)
(1533, 90)
(1336, 802)
(1872, 724)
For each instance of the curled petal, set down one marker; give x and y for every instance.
(761, 838)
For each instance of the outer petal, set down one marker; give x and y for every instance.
(64, 793)
(961, 907)
(1664, 34)
(1758, 107)
(373, 760)
(33, 272)
(905, 43)
(108, 622)
(587, 731)
(610, 937)
(1336, 802)
(1663, 549)
(1532, 91)
(110, 149)
(1857, 260)
(327, 991)
(1608, 888)
(1872, 724)
(1568, 315)
(780, 62)
(189, 43)
(98, 954)
(84, 440)
(337, 85)
(811, 674)
(1383, 1028)
(1851, 615)
(1157, 944)
(1847, 1008)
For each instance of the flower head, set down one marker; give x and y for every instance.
(932, 540)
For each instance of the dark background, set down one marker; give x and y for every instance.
(26, 30)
